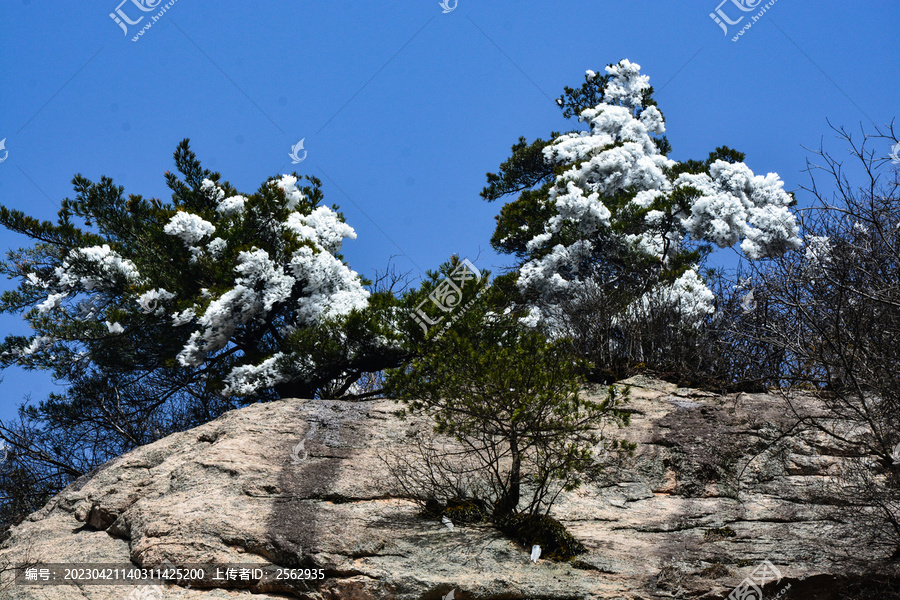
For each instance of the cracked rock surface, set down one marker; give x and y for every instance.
(300, 483)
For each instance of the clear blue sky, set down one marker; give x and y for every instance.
(403, 107)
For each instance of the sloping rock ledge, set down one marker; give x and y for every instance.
(672, 522)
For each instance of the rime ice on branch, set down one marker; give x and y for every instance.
(242, 293)
(614, 188)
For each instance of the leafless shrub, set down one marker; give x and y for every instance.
(831, 314)
(666, 338)
(434, 470)
(671, 578)
(10, 566)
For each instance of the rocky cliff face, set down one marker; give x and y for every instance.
(675, 521)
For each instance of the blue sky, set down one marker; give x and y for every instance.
(403, 107)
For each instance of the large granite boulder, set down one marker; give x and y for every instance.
(303, 483)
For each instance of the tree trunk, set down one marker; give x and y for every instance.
(510, 500)
(294, 389)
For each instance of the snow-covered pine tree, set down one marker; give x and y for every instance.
(605, 222)
(157, 317)
(219, 285)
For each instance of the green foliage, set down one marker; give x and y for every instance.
(555, 541)
(511, 398)
(525, 169)
(465, 510)
(716, 571)
(718, 533)
(520, 221)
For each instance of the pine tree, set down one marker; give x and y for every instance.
(160, 316)
(610, 233)
(512, 399)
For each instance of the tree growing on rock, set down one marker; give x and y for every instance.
(609, 231)
(159, 316)
(512, 402)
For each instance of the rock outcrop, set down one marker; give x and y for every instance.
(302, 483)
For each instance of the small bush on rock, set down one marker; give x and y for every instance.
(553, 538)
(513, 430)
